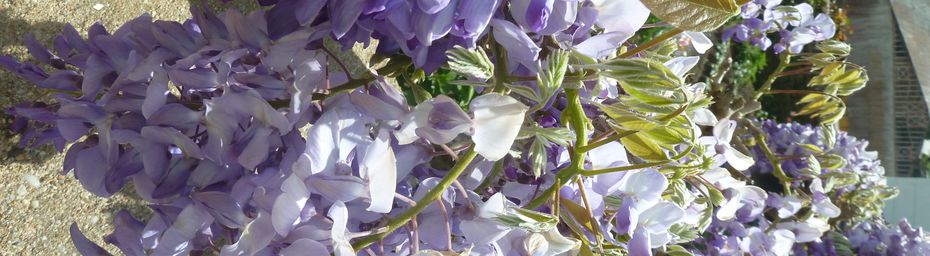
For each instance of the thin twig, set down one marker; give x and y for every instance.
(338, 61)
(445, 215)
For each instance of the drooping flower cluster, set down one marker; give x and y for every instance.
(426, 30)
(247, 136)
(827, 188)
(796, 26)
(246, 139)
(875, 237)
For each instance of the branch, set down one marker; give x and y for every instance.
(430, 196)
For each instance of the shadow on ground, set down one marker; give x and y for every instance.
(14, 89)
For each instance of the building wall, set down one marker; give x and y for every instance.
(871, 112)
(912, 203)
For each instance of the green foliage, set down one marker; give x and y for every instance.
(440, 82)
(694, 15)
(473, 63)
(749, 64)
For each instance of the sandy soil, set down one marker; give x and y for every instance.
(37, 204)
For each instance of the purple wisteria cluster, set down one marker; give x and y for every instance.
(796, 26)
(247, 135)
(875, 237)
(426, 30)
(246, 138)
(830, 202)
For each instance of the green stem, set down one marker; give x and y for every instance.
(776, 166)
(623, 168)
(500, 68)
(612, 138)
(578, 122)
(432, 195)
(783, 62)
(804, 92)
(655, 41)
(492, 177)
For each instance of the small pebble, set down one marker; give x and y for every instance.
(99, 6)
(21, 190)
(34, 204)
(94, 220)
(32, 180)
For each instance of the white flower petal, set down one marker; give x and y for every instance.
(738, 160)
(626, 16)
(287, 207)
(380, 167)
(340, 216)
(497, 121)
(699, 41)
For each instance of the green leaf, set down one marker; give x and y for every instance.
(530, 220)
(473, 63)
(707, 216)
(641, 73)
(642, 147)
(694, 15)
(832, 161)
(834, 47)
(550, 78)
(677, 250)
(538, 155)
(577, 213)
(558, 135)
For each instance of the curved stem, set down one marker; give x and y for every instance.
(623, 168)
(500, 68)
(491, 178)
(578, 122)
(804, 92)
(655, 41)
(601, 142)
(430, 196)
(783, 62)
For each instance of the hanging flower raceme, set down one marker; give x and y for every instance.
(247, 135)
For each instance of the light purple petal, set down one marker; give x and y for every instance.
(602, 45)
(519, 46)
(84, 245)
(285, 213)
(303, 247)
(254, 237)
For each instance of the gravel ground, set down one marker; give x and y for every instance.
(38, 204)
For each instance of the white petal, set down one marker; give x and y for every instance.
(321, 143)
(255, 236)
(609, 155)
(497, 122)
(705, 117)
(681, 65)
(340, 216)
(660, 217)
(626, 16)
(826, 208)
(288, 205)
(727, 211)
(699, 41)
(723, 131)
(645, 185)
(559, 244)
(738, 160)
(380, 167)
(407, 133)
(602, 45)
